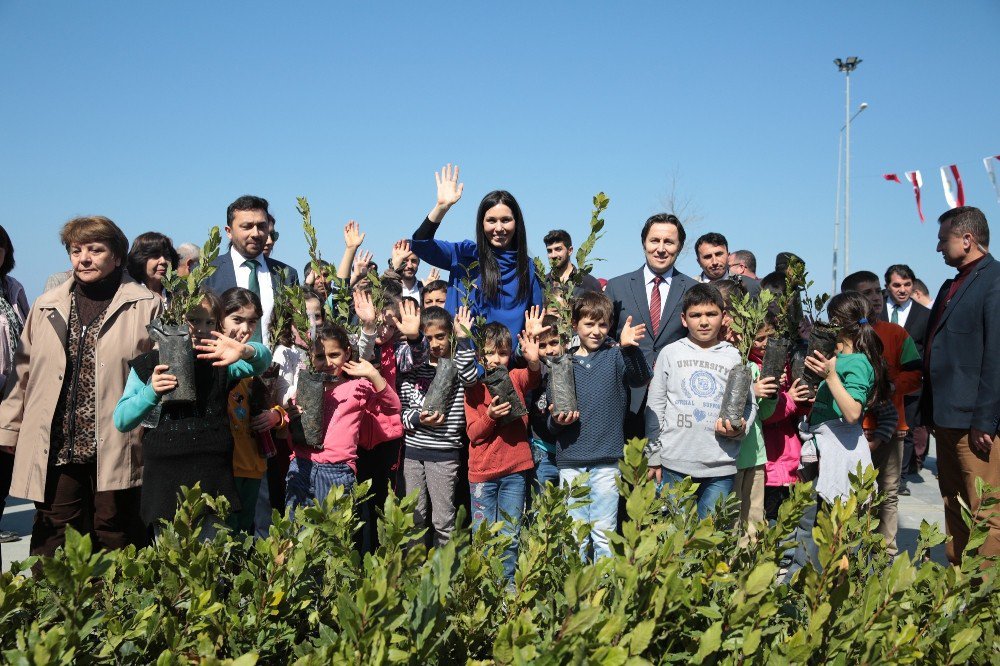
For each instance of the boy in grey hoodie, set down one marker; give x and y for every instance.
(686, 436)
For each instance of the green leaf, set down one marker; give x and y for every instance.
(761, 578)
(710, 641)
(641, 635)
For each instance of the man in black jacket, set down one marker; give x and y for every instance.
(961, 401)
(250, 227)
(651, 295)
(900, 308)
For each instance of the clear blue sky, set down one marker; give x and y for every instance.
(158, 115)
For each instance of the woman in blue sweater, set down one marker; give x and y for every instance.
(497, 262)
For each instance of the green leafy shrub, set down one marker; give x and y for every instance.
(676, 590)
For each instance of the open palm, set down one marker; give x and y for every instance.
(449, 190)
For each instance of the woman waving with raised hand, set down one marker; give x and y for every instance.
(497, 262)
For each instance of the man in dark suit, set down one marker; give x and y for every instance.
(652, 296)
(248, 225)
(961, 401)
(712, 252)
(900, 308)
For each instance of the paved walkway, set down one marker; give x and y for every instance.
(923, 504)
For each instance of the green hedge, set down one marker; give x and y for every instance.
(677, 590)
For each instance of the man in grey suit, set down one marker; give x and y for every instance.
(961, 401)
(651, 295)
(248, 228)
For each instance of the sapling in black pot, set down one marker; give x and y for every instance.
(170, 331)
(822, 336)
(561, 391)
(748, 314)
(498, 381)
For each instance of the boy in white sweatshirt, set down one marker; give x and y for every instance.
(686, 436)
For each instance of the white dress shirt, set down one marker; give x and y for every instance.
(418, 289)
(666, 278)
(263, 280)
(903, 311)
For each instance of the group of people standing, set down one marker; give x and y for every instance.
(88, 435)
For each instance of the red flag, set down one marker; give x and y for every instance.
(892, 177)
(913, 177)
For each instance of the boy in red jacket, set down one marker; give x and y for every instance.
(500, 456)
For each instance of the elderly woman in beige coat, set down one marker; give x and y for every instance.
(70, 371)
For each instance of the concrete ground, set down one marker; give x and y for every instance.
(924, 503)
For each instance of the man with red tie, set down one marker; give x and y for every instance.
(651, 295)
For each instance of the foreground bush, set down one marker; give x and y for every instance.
(677, 590)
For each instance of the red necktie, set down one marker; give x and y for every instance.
(654, 305)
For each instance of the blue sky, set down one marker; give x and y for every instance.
(159, 115)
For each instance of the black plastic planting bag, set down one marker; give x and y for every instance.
(174, 346)
(438, 396)
(498, 382)
(775, 357)
(734, 399)
(824, 340)
(309, 398)
(562, 384)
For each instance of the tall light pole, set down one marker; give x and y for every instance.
(836, 216)
(847, 66)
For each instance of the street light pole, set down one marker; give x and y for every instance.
(836, 213)
(847, 66)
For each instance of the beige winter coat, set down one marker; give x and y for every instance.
(33, 389)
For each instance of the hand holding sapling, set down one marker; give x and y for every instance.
(765, 387)
(497, 409)
(162, 382)
(799, 391)
(726, 428)
(564, 418)
(265, 421)
(631, 335)
(821, 365)
(431, 418)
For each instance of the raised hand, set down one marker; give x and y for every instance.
(631, 335)
(162, 382)
(223, 351)
(497, 409)
(449, 190)
(400, 251)
(360, 265)
(433, 275)
(463, 322)
(408, 322)
(353, 236)
(365, 309)
(360, 369)
(528, 344)
(533, 321)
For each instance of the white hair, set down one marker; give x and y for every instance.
(189, 251)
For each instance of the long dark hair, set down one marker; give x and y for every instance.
(489, 269)
(237, 297)
(8, 262)
(848, 310)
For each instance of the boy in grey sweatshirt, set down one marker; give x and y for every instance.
(686, 436)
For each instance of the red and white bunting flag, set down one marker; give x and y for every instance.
(952, 183)
(913, 177)
(988, 163)
(892, 177)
